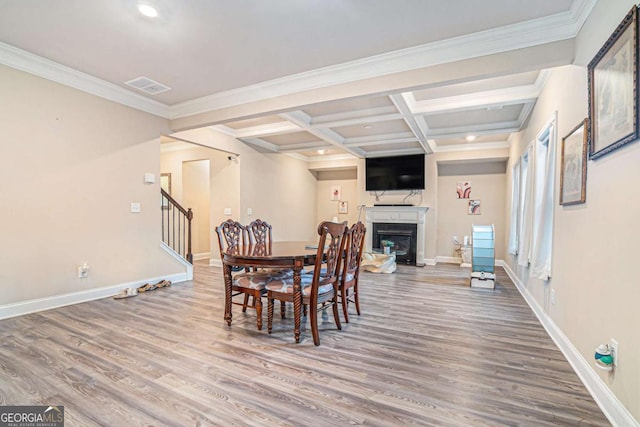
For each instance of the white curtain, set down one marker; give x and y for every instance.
(526, 217)
(542, 241)
(515, 209)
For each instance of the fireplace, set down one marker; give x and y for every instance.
(401, 237)
(403, 225)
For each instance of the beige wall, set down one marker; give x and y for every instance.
(327, 208)
(277, 188)
(72, 163)
(594, 244)
(223, 183)
(454, 219)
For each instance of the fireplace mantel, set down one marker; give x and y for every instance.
(398, 214)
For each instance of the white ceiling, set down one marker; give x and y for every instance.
(208, 50)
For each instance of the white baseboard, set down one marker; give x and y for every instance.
(41, 304)
(448, 259)
(214, 262)
(612, 408)
(430, 261)
(203, 255)
(457, 260)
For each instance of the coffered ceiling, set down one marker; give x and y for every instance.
(478, 114)
(228, 56)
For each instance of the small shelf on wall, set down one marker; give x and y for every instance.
(483, 256)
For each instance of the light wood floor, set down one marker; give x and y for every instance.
(427, 350)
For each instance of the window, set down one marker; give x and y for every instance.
(515, 209)
(525, 213)
(545, 167)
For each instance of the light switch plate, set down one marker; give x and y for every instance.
(135, 207)
(149, 178)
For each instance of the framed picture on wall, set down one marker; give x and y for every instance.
(613, 93)
(474, 207)
(573, 166)
(343, 207)
(336, 192)
(463, 189)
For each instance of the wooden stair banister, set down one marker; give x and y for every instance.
(176, 218)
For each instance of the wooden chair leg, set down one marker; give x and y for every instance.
(314, 326)
(282, 309)
(269, 314)
(304, 310)
(356, 299)
(246, 303)
(345, 301)
(258, 304)
(336, 316)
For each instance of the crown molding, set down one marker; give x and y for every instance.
(553, 28)
(50, 70)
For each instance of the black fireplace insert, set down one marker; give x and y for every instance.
(401, 239)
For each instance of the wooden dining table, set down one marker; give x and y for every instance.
(280, 255)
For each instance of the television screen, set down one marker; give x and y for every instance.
(395, 173)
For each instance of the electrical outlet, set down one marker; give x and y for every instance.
(83, 271)
(227, 211)
(553, 296)
(615, 352)
(249, 211)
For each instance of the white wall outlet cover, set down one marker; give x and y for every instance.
(135, 207)
(227, 211)
(149, 178)
(249, 211)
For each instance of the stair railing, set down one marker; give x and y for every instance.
(176, 226)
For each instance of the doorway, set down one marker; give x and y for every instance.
(196, 193)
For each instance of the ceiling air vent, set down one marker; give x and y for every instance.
(147, 85)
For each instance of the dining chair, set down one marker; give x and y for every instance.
(261, 233)
(320, 289)
(231, 236)
(351, 269)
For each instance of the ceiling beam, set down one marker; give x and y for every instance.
(478, 130)
(305, 146)
(407, 115)
(303, 120)
(262, 143)
(478, 100)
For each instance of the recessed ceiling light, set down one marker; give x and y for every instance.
(147, 10)
(470, 137)
(322, 151)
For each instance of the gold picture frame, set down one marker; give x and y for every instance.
(573, 165)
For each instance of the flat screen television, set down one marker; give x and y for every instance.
(395, 173)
